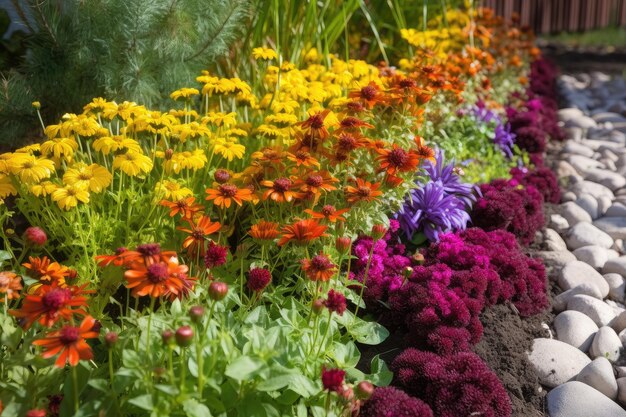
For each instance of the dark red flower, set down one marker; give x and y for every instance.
(335, 302)
(332, 379)
(258, 279)
(215, 255)
(35, 236)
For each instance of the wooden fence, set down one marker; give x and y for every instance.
(551, 16)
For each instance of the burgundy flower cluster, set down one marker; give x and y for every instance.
(392, 402)
(507, 205)
(455, 385)
(543, 179)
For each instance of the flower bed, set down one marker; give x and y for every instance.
(232, 255)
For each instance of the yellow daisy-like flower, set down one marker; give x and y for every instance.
(93, 177)
(29, 168)
(155, 122)
(181, 113)
(229, 148)
(85, 126)
(59, 147)
(191, 130)
(4, 162)
(68, 197)
(34, 148)
(285, 119)
(171, 190)
(286, 106)
(184, 93)
(133, 163)
(52, 131)
(226, 86)
(108, 144)
(98, 105)
(264, 53)
(271, 131)
(221, 119)
(124, 111)
(235, 131)
(43, 189)
(6, 186)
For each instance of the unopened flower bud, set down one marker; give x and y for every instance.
(184, 336)
(218, 290)
(35, 236)
(169, 152)
(407, 272)
(318, 306)
(378, 231)
(110, 339)
(365, 389)
(196, 313)
(167, 336)
(418, 258)
(36, 105)
(342, 244)
(221, 176)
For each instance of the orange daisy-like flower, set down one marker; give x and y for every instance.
(10, 286)
(351, 124)
(164, 278)
(303, 158)
(69, 343)
(319, 267)
(329, 213)
(184, 206)
(316, 182)
(315, 126)
(225, 194)
(362, 191)
(279, 190)
(146, 253)
(43, 270)
(347, 142)
(397, 159)
(370, 95)
(194, 243)
(115, 259)
(264, 230)
(425, 152)
(50, 304)
(269, 156)
(302, 232)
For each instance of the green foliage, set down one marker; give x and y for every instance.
(137, 50)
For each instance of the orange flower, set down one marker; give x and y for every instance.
(70, 343)
(363, 191)
(279, 190)
(264, 230)
(303, 158)
(146, 253)
(319, 267)
(370, 95)
(115, 259)
(194, 243)
(315, 126)
(351, 123)
(302, 232)
(316, 182)
(347, 142)
(10, 285)
(50, 304)
(184, 206)
(225, 194)
(43, 270)
(397, 159)
(329, 213)
(423, 151)
(164, 278)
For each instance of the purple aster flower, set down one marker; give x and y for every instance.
(450, 181)
(504, 139)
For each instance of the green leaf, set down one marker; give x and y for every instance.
(168, 389)
(346, 354)
(193, 408)
(4, 256)
(243, 368)
(99, 384)
(381, 375)
(369, 332)
(143, 401)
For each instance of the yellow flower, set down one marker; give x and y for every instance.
(287, 106)
(59, 147)
(124, 111)
(29, 168)
(171, 190)
(133, 163)
(264, 53)
(6, 186)
(43, 189)
(235, 131)
(35, 147)
(108, 144)
(99, 105)
(221, 119)
(85, 125)
(68, 197)
(184, 93)
(36, 104)
(271, 131)
(190, 130)
(229, 148)
(284, 119)
(93, 177)
(155, 122)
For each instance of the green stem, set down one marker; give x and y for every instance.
(367, 270)
(75, 386)
(319, 350)
(152, 301)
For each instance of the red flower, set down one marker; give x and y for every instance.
(370, 95)
(329, 213)
(116, 259)
(35, 236)
(335, 302)
(258, 279)
(146, 253)
(363, 191)
(314, 125)
(264, 230)
(279, 190)
(184, 206)
(163, 278)
(69, 342)
(332, 379)
(397, 160)
(319, 267)
(215, 255)
(225, 194)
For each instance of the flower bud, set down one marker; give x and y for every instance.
(167, 336)
(418, 258)
(364, 390)
(184, 336)
(221, 176)
(196, 313)
(218, 290)
(110, 339)
(407, 272)
(378, 231)
(342, 244)
(318, 306)
(36, 105)
(169, 152)
(35, 236)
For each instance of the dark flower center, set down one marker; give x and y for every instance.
(346, 142)
(428, 69)
(270, 154)
(398, 157)
(328, 210)
(317, 122)
(54, 299)
(149, 249)
(198, 233)
(407, 83)
(368, 92)
(302, 155)
(309, 141)
(282, 184)
(349, 122)
(157, 273)
(84, 176)
(320, 263)
(315, 180)
(69, 335)
(181, 204)
(120, 250)
(228, 190)
(364, 191)
(221, 176)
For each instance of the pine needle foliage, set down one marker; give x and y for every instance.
(137, 50)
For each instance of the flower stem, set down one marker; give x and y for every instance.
(75, 386)
(319, 350)
(367, 270)
(152, 301)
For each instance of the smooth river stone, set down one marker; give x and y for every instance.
(597, 310)
(575, 329)
(577, 272)
(556, 362)
(576, 399)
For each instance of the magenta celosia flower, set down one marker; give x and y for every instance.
(392, 402)
(332, 379)
(215, 255)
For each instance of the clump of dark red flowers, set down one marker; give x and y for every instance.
(258, 279)
(215, 255)
(509, 206)
(335, 302)
(392, 402)
(454, 385)
(332, 379)
(543, 179)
